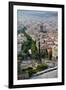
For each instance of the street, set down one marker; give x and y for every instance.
(51, 74)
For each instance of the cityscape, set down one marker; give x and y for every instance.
(37, 44)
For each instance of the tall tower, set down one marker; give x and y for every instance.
(41, 28)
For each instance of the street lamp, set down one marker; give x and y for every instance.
(30, 51)
(39, 49)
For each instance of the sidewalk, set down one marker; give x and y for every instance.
(45, 71)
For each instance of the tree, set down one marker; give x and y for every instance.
(34, 50)
(22, 30)
(44, 53)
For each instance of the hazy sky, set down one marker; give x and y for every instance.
(36, 13)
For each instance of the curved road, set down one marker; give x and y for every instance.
(51, 74)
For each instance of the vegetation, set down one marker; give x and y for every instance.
(32, 71)
(22, 30)
(41, 67)
(29, 44)
(44, 53)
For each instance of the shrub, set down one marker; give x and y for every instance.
(29, 68)
(41, 67)
(31, 71)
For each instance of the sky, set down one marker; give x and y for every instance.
(36, 13)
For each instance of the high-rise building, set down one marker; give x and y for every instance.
(43, 28)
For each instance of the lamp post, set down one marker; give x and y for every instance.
(39, 49)
(30, 52)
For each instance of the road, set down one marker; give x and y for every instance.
(51, 74)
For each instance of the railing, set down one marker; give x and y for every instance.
(45, 71)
